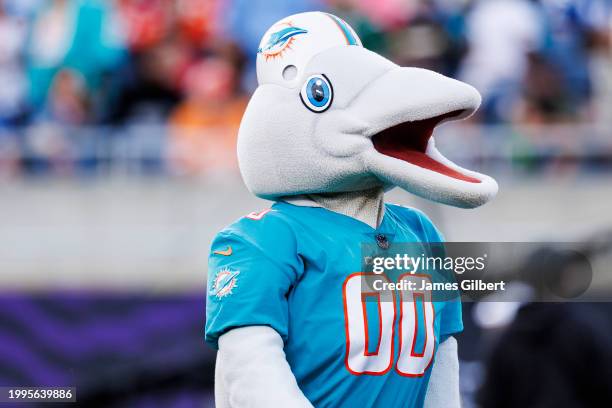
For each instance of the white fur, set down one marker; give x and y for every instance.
(443, 387)
(284, 149)
(252, 371)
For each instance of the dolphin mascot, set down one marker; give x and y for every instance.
(331, 127)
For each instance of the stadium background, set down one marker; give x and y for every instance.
(118, 123)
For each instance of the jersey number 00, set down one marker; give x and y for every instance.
(360, 357)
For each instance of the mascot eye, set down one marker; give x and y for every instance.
(317, 93)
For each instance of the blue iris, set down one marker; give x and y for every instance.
(318, 92)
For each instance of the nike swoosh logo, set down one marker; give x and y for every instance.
(227, 252)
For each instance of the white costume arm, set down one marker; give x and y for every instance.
(443, 388)
(252, 371)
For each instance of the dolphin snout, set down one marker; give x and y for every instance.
(412, 94)
(402, 108)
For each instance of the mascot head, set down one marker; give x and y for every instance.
(331, 116)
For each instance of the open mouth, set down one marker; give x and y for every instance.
(408, 142)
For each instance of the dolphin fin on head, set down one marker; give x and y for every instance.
(331, 116)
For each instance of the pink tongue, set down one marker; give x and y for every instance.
(422, 160)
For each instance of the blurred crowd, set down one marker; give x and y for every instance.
(167, 81)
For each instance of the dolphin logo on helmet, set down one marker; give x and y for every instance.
(278, 41)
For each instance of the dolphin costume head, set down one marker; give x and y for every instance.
(331, 116)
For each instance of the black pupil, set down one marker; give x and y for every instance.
(318, 92)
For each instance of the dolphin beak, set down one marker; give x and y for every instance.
(401, 109)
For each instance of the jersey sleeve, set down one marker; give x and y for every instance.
(250, 274)
(451, 318)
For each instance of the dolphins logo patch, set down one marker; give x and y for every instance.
(280, 40)
(223, 283)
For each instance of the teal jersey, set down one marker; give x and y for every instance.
(297, 269)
